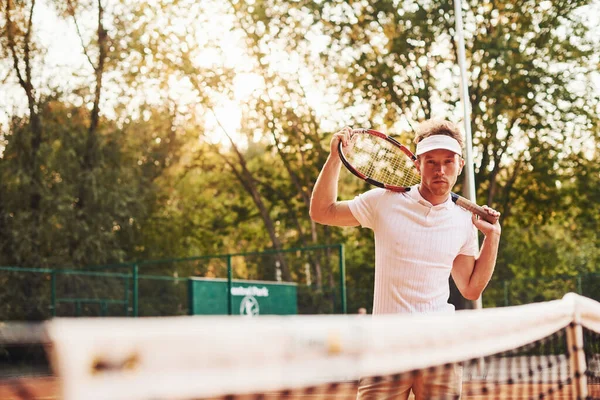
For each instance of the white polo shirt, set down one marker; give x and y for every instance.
(415, 246)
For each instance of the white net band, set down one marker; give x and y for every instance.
(194, 357)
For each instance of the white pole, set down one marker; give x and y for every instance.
(469, 190)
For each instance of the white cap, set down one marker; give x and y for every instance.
(435, 142)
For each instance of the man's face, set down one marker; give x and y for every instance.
(439, 170)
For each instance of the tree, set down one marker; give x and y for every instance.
(18, 42)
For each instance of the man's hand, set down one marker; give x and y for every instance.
(324, 207)
(485, 227)
(345, 136)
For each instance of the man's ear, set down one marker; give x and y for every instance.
(462, 164)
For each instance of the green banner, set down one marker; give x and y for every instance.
(209, 297)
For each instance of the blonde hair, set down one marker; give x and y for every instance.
(438, 126)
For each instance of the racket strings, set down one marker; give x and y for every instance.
(380, 160)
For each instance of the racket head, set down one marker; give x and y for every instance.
(380, 160)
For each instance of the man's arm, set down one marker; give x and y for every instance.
(324, 207)
(471, 274)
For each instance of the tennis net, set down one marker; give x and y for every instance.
(545, 350)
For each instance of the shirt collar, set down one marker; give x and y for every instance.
(416, 195)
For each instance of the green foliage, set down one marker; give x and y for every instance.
(164, 175)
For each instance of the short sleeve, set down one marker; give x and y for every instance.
(471, 246)
(364, 207)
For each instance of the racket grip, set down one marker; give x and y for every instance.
(474, 208)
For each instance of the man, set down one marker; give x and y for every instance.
(421, 238)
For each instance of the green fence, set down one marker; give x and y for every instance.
(41, 293)
(160, 288)
(502, 293)
(318, 272)
(26, 294)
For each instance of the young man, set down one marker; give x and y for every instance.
(421, 238)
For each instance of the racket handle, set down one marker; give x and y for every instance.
(474, 208)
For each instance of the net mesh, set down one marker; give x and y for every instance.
(380, 160)
(534, 371)
(592, 358)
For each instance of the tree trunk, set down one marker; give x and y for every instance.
(249, 183)
(89, 160)
(32, 145)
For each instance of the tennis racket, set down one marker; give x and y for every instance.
(384, 162)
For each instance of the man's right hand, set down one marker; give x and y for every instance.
(345, 136)
(324, 207)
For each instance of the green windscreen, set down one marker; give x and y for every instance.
(209, 297)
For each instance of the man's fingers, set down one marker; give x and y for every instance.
(491, 211)
(344, 135)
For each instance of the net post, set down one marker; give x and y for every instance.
(229, 278)
(126, 296)
(577, 357)
(136, 291)
(53, 292)
(342, 264)
(469, 189)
